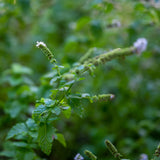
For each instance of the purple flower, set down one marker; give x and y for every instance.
(140, 45)
(112, 96)
(78, 157)
(143, 156)
(116, 23)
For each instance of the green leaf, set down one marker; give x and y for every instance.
(109, 7)
(139, 7)
(45, 138)
(26, 154)
(14, 81)
(20, 144)
(61, 139)
(31, 156)
(154, 16)
(40, 114)
(58, 94)
(82, 22)
(14, 108)
(53, 80)
(56, 110)
(18, 129)
(77, 103)
(69, 83)
(19, 69)
(7, 153)
(31, 124)
(46, 101)
(66, 111)
(26, 91)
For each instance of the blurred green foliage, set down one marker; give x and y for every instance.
(70, 29)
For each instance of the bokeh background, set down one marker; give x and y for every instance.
(70, 28)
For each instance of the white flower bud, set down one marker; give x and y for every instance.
(40, 44)
(140, 45)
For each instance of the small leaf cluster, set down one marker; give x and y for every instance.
(19, 90)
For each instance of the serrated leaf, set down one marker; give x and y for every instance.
(47, 102)
(77, 104)
(45, 138)
(53, 80)
(54, 93)
(58, 94)
(61, 139)
(56, 110)
(31, 124)
(18, 129)
(66, 111)
(39, 113)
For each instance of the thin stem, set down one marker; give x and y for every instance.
(108, 56)
(64, 94)
(103, 58)
(87, 55)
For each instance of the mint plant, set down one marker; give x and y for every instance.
(40, 130)
(131, 122)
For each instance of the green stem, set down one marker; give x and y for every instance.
(103, 58)
(113, 150)
(64, 94)
(87, 55)
(90, 155)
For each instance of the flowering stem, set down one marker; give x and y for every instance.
(111, 55)
(103, 58)
(87, 55)
(157, 152)
(49, 54)
(90, 155)
(113, 150)
(46, 51)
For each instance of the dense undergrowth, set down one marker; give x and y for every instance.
(56, 110)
